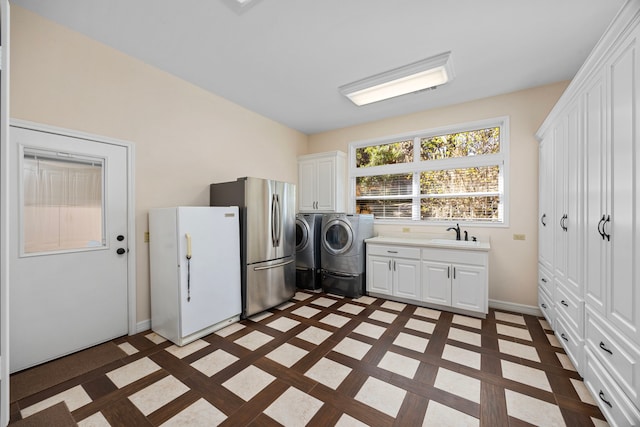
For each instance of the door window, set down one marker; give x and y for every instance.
(302, 236)
(62, 202)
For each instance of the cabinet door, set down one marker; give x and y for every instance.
(623, 299)
(573, 223)
(546, 214)
(469, 287)
(436, 282)
(594, 190)
(406, 278)
(326, 184)
(379, 274)
(560, 193)
(307, 185)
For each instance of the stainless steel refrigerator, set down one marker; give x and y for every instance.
(267, 239)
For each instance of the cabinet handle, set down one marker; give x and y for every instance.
(394, 266)
(448, 272)
(389, 265)
(600, 232)
(604, 224)
(544, 280)
(392, 252)
(601, 396)
(544, 224)
(602, 346)
(564, 337)
(454, 272)
(563, 223)
(563, 302)
(544, 305)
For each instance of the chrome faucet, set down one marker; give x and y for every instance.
(456, 229)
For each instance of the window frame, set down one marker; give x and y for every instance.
(417, 166)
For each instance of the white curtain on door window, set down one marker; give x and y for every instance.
(62, 204)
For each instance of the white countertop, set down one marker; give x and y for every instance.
(431, 243)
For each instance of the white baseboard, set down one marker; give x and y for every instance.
(517, 308)
(145, 325)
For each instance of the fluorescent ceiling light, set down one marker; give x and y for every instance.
(421, 75)
(241, 6)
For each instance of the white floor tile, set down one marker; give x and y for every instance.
(128, 348)
(335, 320)
(420, 325)
(158, 394)
(348, 421)
(95, 420)
(553, 340)
(351, 308)
(306, 311)
(260, 316)
(283, 324)
(533, 411)
(199, 414)
(132, 372)
(293, 408)
(392, 305)
(518, 350)
(383, 316)
(545, 325)
(228, 330)
(74, 397)
(512, 331)
(384, 397)
(439, 415)
(287, 355)
(411, 342)
(599, 423)
(583, 392)
(352, 348)
(566, 362)
(427, 312)
(314, 335)
(369, 330)
(526, 375)
(365, 300)
(399, 364)
(248, 382)
(301, 296)
(461, 356)
(155, 338)
(254, 340)
(285, 305)
(458, 384)
(184, 351)
(471, 322)
(328, 372)
(324, 302)
(508, 317)
(214, 362)
(465, 336)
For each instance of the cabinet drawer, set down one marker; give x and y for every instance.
(394, 251)
(547, 307)
(571, 308)
(619, 357)
(573, 346)
(618, 410)
(545, 281)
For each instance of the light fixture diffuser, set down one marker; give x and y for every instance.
(420, 75)
(240, 6)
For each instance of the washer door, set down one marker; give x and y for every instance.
(302, 234)
(337, 236)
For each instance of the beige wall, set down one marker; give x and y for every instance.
(184, 137)
(513, 264)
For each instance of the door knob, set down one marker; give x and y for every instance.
(120, 251)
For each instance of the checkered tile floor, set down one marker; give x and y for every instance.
(323, 360)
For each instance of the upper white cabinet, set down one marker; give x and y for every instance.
(321, 182)
(594, 130)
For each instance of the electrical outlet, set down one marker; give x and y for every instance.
(146, 237)
(405, 229)
(518, 237)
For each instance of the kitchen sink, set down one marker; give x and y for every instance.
(458, 243)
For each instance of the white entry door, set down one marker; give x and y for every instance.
(68, 241)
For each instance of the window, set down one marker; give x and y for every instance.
(454, 174)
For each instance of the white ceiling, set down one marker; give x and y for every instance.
(285, 59)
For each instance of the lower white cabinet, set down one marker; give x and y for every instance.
(424, 275)
(394, 270)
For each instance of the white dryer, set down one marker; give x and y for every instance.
(308, 227)
(342, 254)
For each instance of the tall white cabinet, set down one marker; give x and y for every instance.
(589, 231)
(321, 182)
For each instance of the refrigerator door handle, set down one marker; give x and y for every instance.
(279, 221)
(272, 266)
(273, 220)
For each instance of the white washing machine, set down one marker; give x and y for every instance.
(308, 228)
(342, 254)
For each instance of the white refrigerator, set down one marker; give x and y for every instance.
(194, 255)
